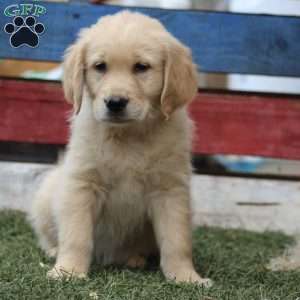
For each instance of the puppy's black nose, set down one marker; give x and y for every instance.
(116, 104)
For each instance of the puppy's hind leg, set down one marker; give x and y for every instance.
(41, 216)
(143, 247)
(136, 261)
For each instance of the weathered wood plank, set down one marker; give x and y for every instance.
(226, 123)
(221, 42)
(33, 112)
(247, 124)
(253, 204)
(18, 183)
(216, 200)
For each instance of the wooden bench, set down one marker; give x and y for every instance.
(227, 122)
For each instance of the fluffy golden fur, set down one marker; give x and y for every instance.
(123, 189)
(289, 260)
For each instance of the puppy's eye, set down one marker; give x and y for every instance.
(101, 67)
(141, 68)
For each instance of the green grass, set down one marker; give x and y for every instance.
(234, 259)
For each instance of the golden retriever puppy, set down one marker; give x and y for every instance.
(123, 189)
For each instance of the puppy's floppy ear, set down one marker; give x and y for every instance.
(180, 77)
(73, 77)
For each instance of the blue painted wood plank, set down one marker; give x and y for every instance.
(221, 42)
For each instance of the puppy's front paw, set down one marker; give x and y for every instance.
(189, 276)
(59, 272)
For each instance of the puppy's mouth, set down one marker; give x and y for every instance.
(117, 120)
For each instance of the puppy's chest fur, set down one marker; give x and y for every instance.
(124, 170)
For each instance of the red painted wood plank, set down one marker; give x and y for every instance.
(226, 123)
(247, 124)
(32, 112)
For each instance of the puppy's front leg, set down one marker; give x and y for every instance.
(75, 215)
(170, 213)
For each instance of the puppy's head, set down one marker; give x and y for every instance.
(131, 68)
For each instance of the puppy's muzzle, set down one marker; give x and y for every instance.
(116, 105)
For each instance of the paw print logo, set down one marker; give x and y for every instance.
(24, 32)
